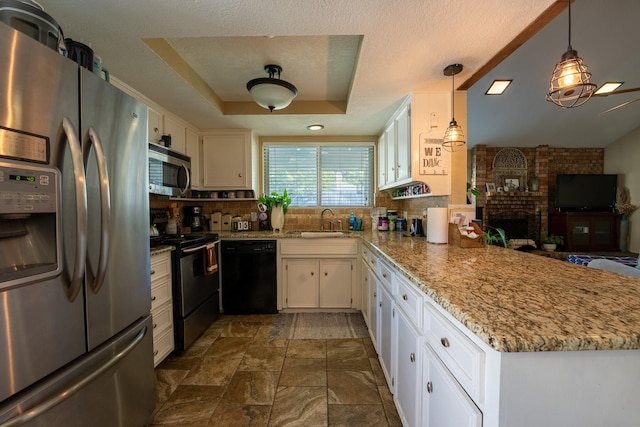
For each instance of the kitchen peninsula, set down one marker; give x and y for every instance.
(532, 341)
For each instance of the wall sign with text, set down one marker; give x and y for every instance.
(434, 160)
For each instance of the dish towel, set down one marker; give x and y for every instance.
(210, 260)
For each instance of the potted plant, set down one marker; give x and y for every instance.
(497, 237)
(551, 242)
(277, 205)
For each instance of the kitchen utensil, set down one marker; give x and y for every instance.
(80, 53)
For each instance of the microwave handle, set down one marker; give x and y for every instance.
(77, 278)
(184, 190)
(105, 210)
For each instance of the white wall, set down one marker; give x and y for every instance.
(623, 157)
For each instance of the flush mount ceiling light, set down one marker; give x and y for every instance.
(608, 88)
(570, 82)
(271, 92)
(498, 87)
(315, 127)
(453, 136)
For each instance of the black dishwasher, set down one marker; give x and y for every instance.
(248, 275)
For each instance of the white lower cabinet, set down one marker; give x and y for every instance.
(444, 402)
(386, 337)
(161, 306)
(366, 280)
(318, 284)
(408, 368)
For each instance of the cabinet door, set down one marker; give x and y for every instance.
(226, 161)
(444, 403)
(335, 283)
(374, 318)
(302, 283)
(386, 338)
(390, 137)
(177, 133)
(193, 151)
(155, 126)
(365, 291)
(408, 369)
(403, 145)
(382, 161)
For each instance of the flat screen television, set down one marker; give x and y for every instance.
(586, 192)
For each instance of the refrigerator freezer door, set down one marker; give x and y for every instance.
(121, 294)
(112, 386)
(40, 329)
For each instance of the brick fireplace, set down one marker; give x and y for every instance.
(523, 213)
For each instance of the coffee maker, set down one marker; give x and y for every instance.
(193, 218)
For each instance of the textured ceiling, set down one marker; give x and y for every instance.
(367, 53)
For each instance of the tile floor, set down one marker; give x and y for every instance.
(234, 375)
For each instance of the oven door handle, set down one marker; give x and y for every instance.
(199, 248)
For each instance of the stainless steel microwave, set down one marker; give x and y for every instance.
(169, 172)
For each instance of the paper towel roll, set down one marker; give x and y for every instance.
(437, 225)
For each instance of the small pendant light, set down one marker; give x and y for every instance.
(453, 136)
(570, 82)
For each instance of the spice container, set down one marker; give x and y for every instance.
(383, 223)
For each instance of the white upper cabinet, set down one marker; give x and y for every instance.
(227, 160)
(410, 149)
(177, 132)
(155, 126)
(192, 143)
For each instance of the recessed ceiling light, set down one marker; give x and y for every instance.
(498, 87)
(315, 127)
(608, 87)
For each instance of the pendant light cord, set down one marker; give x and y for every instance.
(453, 105)
(570, 48)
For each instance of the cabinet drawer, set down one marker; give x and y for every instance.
(330, 246)
(160, 266)
(162, 346)
(410, 299)
(370, 258)
(160, 293)
(385, 273)
(465, 360)
(162, 319)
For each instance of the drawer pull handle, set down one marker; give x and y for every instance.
(153, 298)
(429, 387)
(405, 297)
(412, 357)
(153, 272)
(445, 342)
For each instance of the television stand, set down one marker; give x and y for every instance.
(586, 231)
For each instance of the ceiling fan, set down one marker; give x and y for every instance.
(617, 92)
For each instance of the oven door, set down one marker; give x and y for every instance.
(196, 286)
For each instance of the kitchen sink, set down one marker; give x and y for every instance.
(316, 234)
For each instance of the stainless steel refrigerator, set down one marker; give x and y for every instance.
(75, 330)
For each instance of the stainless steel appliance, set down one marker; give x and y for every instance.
(74, 257)
(249, 277)
(169, 171)
(196, 294)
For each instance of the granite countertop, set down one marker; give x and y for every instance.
(520, 302)
(156, 250)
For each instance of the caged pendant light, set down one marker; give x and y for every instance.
(570, 82)
(453, 136)
(271, 92)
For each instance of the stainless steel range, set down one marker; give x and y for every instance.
(196, 291)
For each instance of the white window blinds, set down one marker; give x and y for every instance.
(320, 175)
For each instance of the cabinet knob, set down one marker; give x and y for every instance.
(312, 273)
(239, 175)
(366, 279)
(412, 357)
(155, 353)
(429, 387)
(384, 275)
(326, 274)
(375, 295)
(380, 304)
(155, 325)
(153, 298)
(153, 272)
(156, 130)
(405, 297)
(445, 342)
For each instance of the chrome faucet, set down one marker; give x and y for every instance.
(322, 218)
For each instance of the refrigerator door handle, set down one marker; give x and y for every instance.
(77, 278)
(105, 209)
(29, 414)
